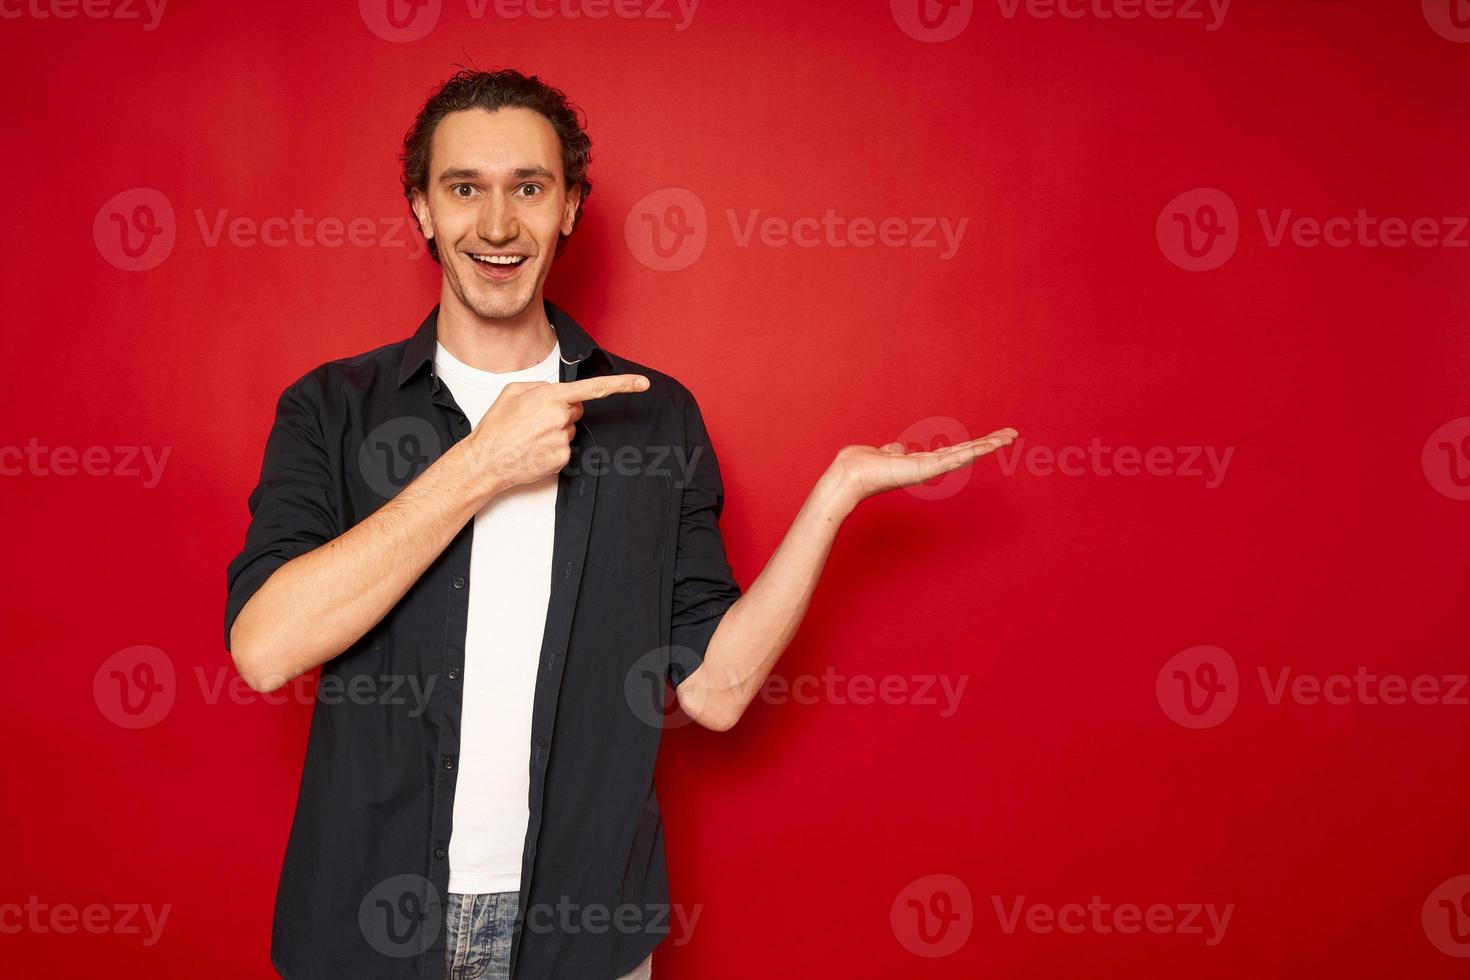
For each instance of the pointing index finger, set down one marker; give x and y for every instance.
(588, 389)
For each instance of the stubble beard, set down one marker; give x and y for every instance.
(487, 300)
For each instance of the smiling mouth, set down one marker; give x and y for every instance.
(498, 268)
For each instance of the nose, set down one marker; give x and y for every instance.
(496, 223)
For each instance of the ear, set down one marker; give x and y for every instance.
(569, 215)
(421, 211)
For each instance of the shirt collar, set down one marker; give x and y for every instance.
(575, 343)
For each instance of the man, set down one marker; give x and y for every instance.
(490, 536)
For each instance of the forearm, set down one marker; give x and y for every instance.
(757, 628)
(317, 605)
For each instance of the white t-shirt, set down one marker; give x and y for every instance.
(510, 587)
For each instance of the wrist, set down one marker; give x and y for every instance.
(477, 481)
(835, 493)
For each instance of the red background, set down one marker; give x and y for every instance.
(1325, 548)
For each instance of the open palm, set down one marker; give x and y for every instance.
(872, 469)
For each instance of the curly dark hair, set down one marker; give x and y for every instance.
(491, 90)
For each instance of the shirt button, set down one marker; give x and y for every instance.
(439, 853)
(448, 762)
(454, 673)
(459, 581)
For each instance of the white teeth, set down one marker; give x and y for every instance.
(498, 259)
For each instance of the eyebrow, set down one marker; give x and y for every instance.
(520, 173)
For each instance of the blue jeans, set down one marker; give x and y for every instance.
(477, 937)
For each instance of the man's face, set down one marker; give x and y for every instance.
(495, 188)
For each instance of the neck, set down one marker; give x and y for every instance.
(495, 344)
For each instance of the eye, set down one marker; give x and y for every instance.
(534, 188)
(462, 190)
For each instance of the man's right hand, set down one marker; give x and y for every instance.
(527, 433)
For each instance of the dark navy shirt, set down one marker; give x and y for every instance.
(639, 583)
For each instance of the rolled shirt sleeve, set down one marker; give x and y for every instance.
(292, 508)
(704, 585)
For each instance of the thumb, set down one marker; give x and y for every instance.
(892, 448)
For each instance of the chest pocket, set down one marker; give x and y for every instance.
(628, 518)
